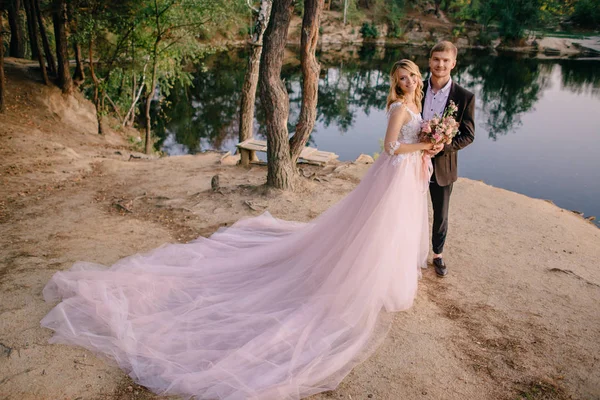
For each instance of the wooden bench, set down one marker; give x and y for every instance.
(309, 154)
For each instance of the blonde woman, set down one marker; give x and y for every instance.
(265, 309)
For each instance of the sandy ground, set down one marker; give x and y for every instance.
(517, 317)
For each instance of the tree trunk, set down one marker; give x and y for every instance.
(129, 120)
(30, 24)
(17, 43)
(149, 96)
(47, 51)
(310, 76)
(2, 89)
(79, 75)
(35, 44)
(59, 18)
(282, 172)
(437, 7)
(96, 88)
(251, 79)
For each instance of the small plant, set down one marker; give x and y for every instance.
(394, 30)
(369, 30)
(136, 142)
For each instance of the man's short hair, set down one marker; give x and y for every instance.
(444, 46)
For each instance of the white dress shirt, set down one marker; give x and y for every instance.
(435, 103)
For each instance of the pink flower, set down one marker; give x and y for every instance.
(435, 121)
(437, 137)
(426, 127)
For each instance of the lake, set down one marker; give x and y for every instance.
(536, 127)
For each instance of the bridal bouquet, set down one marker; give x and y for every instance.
(440, 130)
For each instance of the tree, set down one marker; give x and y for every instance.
(310, 76)
(79, 74)
(251, 78)
(59, 18)
(96, 81)
(34, 37)
(17, 43)
(274, 97)
(45, 43)
(281, 153)
(33, 48)
(173, 25)
(512, 16)
(2, 89)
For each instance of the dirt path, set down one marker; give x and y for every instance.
(516, 318)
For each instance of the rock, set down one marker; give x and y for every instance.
(214, 183)
(417, 37)
(462, 42)
(364, 159)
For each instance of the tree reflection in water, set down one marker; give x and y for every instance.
(354, 80)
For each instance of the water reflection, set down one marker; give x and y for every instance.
(205, 115)
(353, 87)
(506, 87)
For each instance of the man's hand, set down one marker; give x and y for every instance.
(436, 149)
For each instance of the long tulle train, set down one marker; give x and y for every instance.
(264, 309)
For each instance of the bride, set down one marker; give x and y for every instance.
(266, 308)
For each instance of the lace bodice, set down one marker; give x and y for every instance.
(409, 133)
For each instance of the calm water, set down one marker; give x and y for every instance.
(537, 121)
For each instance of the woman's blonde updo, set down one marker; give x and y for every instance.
(395, 91)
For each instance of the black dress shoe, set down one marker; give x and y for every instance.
(440, 267)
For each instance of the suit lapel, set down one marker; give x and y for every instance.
(451, 94)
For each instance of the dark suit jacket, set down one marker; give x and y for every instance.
(445, 163)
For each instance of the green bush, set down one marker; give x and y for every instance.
(485, 38)
(369, 30)
(394, 30)
(587, 13)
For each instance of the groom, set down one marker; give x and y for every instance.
(439, 89)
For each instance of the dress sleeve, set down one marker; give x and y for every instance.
(390, 146)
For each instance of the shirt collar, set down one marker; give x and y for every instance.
(443, 90)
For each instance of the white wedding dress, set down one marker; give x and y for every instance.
(264, 309)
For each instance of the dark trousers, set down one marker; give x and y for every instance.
(440, 199)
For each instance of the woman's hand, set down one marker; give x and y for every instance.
(434, 149)
(427, 146)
